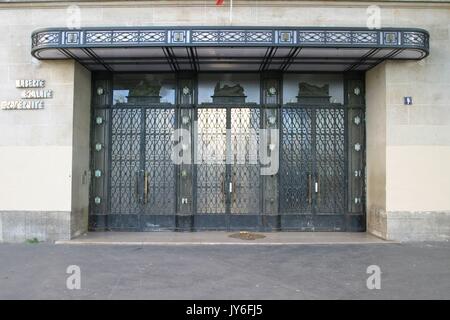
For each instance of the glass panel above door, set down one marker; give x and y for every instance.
(307, 85)
(210, 83)
(143, 88)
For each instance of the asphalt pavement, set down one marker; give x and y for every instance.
(334, 271)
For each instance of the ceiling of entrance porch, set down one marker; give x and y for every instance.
(216, 50)
(229, 59)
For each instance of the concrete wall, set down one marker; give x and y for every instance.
(80, 151)
(43, 153)
(408, 173)
(376, 150)
(35, 152)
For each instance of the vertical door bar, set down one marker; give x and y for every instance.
(142, 156)
(314, 157)
(229, 160)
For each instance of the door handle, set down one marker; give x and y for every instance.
(317, 188)
(232, 186)
(232, 182)
(222, 184)
(145, 187)
(309, 189)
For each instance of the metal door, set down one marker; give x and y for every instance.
(296, 170)
(212, 154)
(244, 166)
(228, 173)
(312, 172)
(142, 176)
(126, 162)
(329, 155)
(159, 168)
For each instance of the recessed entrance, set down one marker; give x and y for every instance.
(223, 152)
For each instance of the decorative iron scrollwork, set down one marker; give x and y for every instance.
(267, 36)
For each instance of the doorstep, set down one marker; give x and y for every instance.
(223, 238)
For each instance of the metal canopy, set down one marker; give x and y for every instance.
(230, 48)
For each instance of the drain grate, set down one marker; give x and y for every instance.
(245, 235)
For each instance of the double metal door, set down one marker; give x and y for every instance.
(142, 175)
(228, 172)
(227, 181)
(313, 163)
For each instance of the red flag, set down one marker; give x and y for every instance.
(219, 2)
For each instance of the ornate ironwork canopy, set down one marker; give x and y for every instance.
(230, 48)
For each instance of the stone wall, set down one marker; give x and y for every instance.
(412, 176)
(80, 151)
(35, 149)
(376, 150)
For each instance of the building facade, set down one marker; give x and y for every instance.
(188, 116)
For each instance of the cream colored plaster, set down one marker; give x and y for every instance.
(418, 178)
(36, 178)
(80, 151)
(376, 137)
(36, 145)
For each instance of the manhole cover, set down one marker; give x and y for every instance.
(244, 235)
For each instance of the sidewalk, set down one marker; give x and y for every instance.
(224, 238)
(319, 271)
